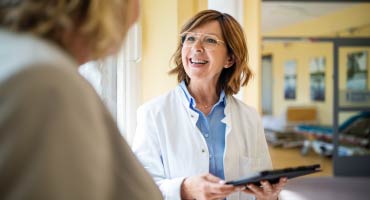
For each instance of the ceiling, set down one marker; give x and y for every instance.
(276, 15)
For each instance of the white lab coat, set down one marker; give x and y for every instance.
(171, 147)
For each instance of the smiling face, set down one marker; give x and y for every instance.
(196, 60)
(202, 64)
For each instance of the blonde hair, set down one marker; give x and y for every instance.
(232, 78)
(102, 23)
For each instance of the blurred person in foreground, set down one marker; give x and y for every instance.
(57, 139)
(198, 135)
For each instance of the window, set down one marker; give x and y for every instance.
(117, 80)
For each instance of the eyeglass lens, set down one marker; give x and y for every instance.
(208, 42)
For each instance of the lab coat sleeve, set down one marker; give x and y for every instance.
(265, 162)
(147, 147)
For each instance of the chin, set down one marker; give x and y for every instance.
(196, 76)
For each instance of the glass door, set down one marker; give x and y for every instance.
(351, 117)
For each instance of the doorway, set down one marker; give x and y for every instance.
(267, 83)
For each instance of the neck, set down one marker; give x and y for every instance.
(205, 95)
(76, 46)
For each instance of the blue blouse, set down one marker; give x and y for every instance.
(213, 131)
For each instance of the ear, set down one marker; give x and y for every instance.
(230, 61)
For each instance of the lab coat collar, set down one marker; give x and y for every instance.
(194, 116)
(185, 102)
(191, 100)
(227, 112)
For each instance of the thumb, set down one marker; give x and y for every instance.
(214, 179)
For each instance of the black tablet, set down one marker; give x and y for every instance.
(273, 176)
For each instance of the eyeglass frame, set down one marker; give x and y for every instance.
(183, 37)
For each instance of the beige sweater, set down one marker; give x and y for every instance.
(57, 140)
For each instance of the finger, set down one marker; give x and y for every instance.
(214, 179)
(266, 186)
(281, 184)
(218, 188)
(255, 189)
(217, 185)
(247, 191)
(240, 188)
(283, 180)
(217, 196)
(244, 189)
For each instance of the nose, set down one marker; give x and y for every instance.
(198, 47)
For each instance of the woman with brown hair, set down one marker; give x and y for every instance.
(198, 135)
(57, 139)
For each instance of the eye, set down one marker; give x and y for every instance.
(210, 40)
(190, 38)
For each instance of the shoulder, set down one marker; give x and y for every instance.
(47, 75)
(244, 109)
(44, 83)
(47, 100)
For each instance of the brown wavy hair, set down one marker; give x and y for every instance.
(103, 23)
(232, 78)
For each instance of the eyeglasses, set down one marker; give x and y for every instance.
(209, 42)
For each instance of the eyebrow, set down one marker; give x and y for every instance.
(214, 34)
(207, 33)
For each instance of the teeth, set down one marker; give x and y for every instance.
(196, 61)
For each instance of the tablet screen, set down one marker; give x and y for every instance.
(273, 176)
